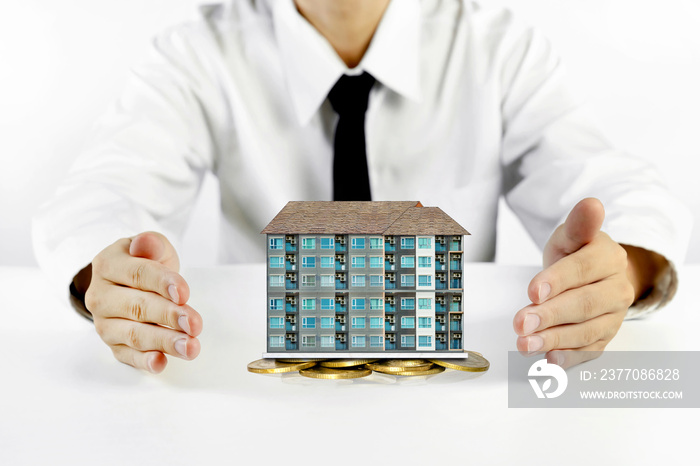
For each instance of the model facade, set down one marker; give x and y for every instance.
(349, 277)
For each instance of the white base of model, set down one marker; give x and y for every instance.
(375, 355)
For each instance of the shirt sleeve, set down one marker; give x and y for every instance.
(554, 156)
(142, 165)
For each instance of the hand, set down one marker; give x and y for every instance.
(581, 297)
(137, 300)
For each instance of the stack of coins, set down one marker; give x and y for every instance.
(356, 368)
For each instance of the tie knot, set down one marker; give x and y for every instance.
(350, 95)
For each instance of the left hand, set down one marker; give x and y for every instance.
(581, 297)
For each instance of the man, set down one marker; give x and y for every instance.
(462, 105)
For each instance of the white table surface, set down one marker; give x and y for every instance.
(65, 400)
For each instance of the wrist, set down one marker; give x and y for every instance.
(644, 269)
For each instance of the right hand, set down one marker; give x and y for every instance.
(137, 300)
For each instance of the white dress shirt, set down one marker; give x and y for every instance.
(468, 106)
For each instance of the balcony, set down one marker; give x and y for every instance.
(456, 344)
(340, 285)
(388, 346)
(289, 327)
(440, 247)
(440, 345)
(439, 327)
(455, 284)
(289, 346)
(340, 266)
(389, 307)
(388, 247)
(289, 307)
(289, 247)
(340, 247)
(389, 327)
(455, 245)
(456, 326)
(339, 346)
(339, 327)
(455, 265)
(290, 266)
(290, 285)
(389, 285)
(440, 285)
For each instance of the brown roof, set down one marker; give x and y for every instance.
(371, 218)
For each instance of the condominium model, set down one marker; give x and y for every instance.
(351, 277)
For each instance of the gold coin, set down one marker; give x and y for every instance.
(270, 366)
(393, 366)
(474, 363)
(346, 362)
(328, 373)
(288, 360)
(432, 370)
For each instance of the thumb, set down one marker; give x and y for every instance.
(581, 226)
(154, 246)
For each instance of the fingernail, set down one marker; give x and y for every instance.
(172, 291)
(149, 363)
(181, 347)
(183, 323)
(544, 291)
(534, 343)
(531, 322)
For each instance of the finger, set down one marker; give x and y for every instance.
(597, 260)
(147, 337)
(574, 306)
(141, 306)
(568, 357)
(151, 361)
(580, 227)
(139, 273)
(154, 246)
(571, 336)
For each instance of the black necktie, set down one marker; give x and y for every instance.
(349, 99)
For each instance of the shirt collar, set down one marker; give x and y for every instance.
(312, 67)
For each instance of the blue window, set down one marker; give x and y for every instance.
(327, 304)
(375, 322)
(327, 262)
(358, 341)
(327, 341)
(408, 303)
(308, 262)
(408, 281)
(425, 280)
(376, 262)
(425, 261)
(408, 243)
(408, 262)
(308, 322)
(276, 243)
(276, 322)
(276, 280)
(358, 303)
(276, 304)
(425, 322)
(425, 341)
(276, 262)
(376, 243)
(308, 243)
(424, 303)
(376, 280)
(424, 243)
(327, 280)
(358, 262)
(277, 342)
(376, 303)
(358, 243)
(408, 322)
(358, 280)
(408, 341)
(308, 304)
(327, 322)
(358, 322)
(327, 243)
(376, 341)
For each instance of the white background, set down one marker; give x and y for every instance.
(61, 63)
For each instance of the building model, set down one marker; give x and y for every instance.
(363, 277)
